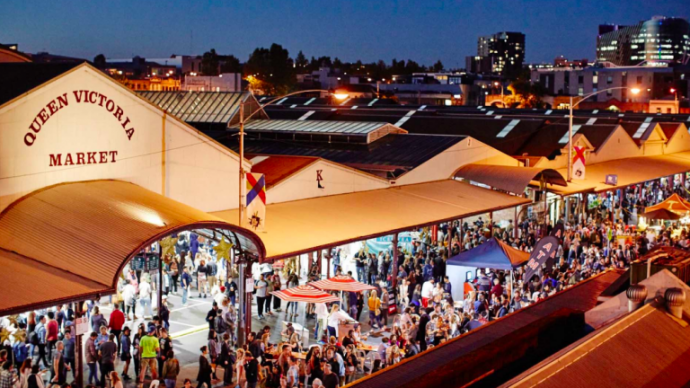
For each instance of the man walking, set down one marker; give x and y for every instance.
(107, 352)
(185, 283)
(52, 331)
(149, 346)
(115, 323)
(41, 334)
(261, 295)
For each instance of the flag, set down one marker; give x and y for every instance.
(578, 163)
(255, 208)
(543, 253)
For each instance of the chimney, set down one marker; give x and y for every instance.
(675, 299)
(636, 293)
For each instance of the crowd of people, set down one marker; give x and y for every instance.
(417, 314)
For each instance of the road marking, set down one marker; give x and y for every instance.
(180, 323)
(191, 330)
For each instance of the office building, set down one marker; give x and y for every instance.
(660, 39)
(500, 53)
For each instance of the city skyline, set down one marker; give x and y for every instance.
(403, 30)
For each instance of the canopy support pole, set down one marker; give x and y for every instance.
(394, 281)
(515, 221)
(78, 366)
(462, 235)
(241, 330)
(566, 203)
(160, 279)
(491, 224)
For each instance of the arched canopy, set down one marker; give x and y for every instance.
(493, 254)
(509, 178)
(71, 241)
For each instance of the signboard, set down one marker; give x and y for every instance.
(144, 263)
(546, 249)
(249, 286)
(81, 325)
(384, 243)
(612, 179)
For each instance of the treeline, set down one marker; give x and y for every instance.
(273, 71)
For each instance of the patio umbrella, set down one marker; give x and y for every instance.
(305, 293)
(661, 214)
(342, 283)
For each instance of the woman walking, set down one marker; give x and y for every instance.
(171, 368)
(205, 369)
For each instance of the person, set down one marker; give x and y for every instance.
(202, 279)
(52, 331)
(115, 381)
(317, 383)
(92, 358)
(69, 351)
(130, 300)
(260, 288)
(314, 365)
(351, 363)
(97, 320)
(107, 352)
(239, 364)
(171, 368)
(427, 292)
(35, 379)
(334, 319)
(269, 295)
(59, 370)
(205, 369)
(227, 359)
(115, 323)
(145, 297)
(24, 372)
(251, 370)
(212, 273)
(185, 284)
(254, 346)
(330, 379)
(136, 349)
(277, 286)
(214, 349)
(321, 319)
(385, 300)
(292, 374)
(164, 312)
(374, 304)
(40, 341)
(125, 352)
(349, 339)
(149, 347)
(187, 383)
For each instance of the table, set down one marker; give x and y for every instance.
(367, 348)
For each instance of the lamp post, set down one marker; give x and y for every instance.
(244, 299)
(497, 84)
(570, 122)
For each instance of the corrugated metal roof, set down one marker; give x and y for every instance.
(91, 229)
(198, 107)
(647, 348)
(313, 126)
(473, 356)
(53, 284)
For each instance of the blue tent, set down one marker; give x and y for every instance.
(492, 254)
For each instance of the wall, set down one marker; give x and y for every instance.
(198, 172)
(679, 142)
(445, 164)
(336, 179)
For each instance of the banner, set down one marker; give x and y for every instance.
(546, 249)
(255, 211)
(578, 163)
(558, 230)
(385, 243)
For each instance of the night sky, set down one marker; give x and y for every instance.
(421, 30)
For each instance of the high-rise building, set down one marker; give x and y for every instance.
(660, 39)
(500, 53)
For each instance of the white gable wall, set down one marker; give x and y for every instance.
(679, 142)
(198, 172)
(336, 179)
(445, 164)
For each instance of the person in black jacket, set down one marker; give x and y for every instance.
(227, 359)
(421, 333)
(205, 370)
(254, 346)
(251, 369)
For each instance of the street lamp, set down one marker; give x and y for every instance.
(674, 92)
(570, 122)
(242, 324)
(496, 84)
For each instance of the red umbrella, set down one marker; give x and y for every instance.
(305, 293)
(342, 283)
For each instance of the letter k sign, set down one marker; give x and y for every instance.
(319, 178)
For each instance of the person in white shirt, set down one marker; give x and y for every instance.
(427, 292)
(336, 316)
(145, 298)
(321, 318)
(128, 294)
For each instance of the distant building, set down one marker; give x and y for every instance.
(660, 39)
(655, 83)
(561, 61)
(226, 82)
(500, 53)
(183, 63)
(11, 53)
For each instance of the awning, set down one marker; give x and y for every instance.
(307, 225)
(630, 171)
(673, 203)
(78, 236)
(492, 254)
(509, 178)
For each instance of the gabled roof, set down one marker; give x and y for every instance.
(278, 168)
(394, 153)
(670, 129)
(19, 78)
(640, 132)
(198, 107)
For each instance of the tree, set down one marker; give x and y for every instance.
(209, 63)
(273, 67)
(437, 67)
(230, 64)
(99, 61)
(301, 60)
